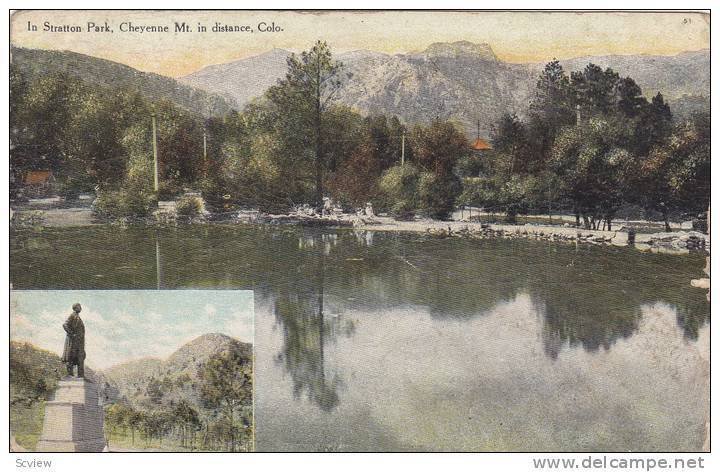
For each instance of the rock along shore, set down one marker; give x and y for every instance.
(678, 242)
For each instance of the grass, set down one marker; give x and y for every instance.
(122, 440)
(26, 424)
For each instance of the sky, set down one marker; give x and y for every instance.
(123, 325)
(514, 36)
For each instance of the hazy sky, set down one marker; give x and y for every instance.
(514, 36)
(122, 325)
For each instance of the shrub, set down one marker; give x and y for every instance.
(124, 203)
(402, 210)
(190, 206)
(437, 194)
(399, 189)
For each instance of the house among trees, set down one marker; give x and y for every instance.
(480, 145)
(39, 182)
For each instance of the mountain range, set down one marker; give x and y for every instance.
(462, 80)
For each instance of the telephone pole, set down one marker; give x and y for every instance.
(402, 150)
(155, 155)
(204, 145)
(205, 164)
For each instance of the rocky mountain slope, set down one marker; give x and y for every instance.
(148, 383)
(462, 80)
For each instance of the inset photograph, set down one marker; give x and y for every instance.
(131, 370)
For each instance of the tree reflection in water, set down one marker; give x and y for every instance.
(586, 295)
(301, 313)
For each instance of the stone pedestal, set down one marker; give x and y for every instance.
(73, 419)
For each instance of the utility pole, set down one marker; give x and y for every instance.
(577, 115)
(204, 145)
(402, 150)
(205, 165)
(155, 155)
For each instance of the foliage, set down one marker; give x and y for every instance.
(437, 194)
(303, 99)
(227, 384)
(123, 204)
(190, 206)
(34, 374)
(590, 143)
(399, 186)
(438, 146)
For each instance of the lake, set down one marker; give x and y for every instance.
(388, 341)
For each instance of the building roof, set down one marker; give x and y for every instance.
(37, 177)
(481, 145)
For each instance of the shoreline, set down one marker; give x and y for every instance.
(676, 242)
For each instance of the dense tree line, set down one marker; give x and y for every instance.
(590, 143)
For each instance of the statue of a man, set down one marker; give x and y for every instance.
(74, 352)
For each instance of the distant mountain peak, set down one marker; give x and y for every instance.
(205, 346)
(461, 48)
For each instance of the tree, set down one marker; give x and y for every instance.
(630, 99)
(93, 142)
(551, 108)
(594, 90)
(438, 146)
(304, 97)
(154, 391)
(593, 168)
(376, 147)
(227, 385)
(509, 139)
(399, 185)
(133, 419)
(437, 194)
(40, 128)
(180, 147)
(653, 183)
(186, 418)
(653, 125)
(155, 424)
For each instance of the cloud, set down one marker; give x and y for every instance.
(122, 326)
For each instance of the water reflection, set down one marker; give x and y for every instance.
(301, 314)
(424, 343)
(587, 296)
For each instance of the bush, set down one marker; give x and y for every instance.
(402, 210)
(190, 206)
(168, 190)
(71, 188)
(124, 203)
(399, 189)
(69, 192)
(438, 193)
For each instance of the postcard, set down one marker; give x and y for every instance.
(334, 231)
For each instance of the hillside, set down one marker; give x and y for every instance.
(256, 74)
(37, 62)
(462, 81)
(34, 374)
(151, 383)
